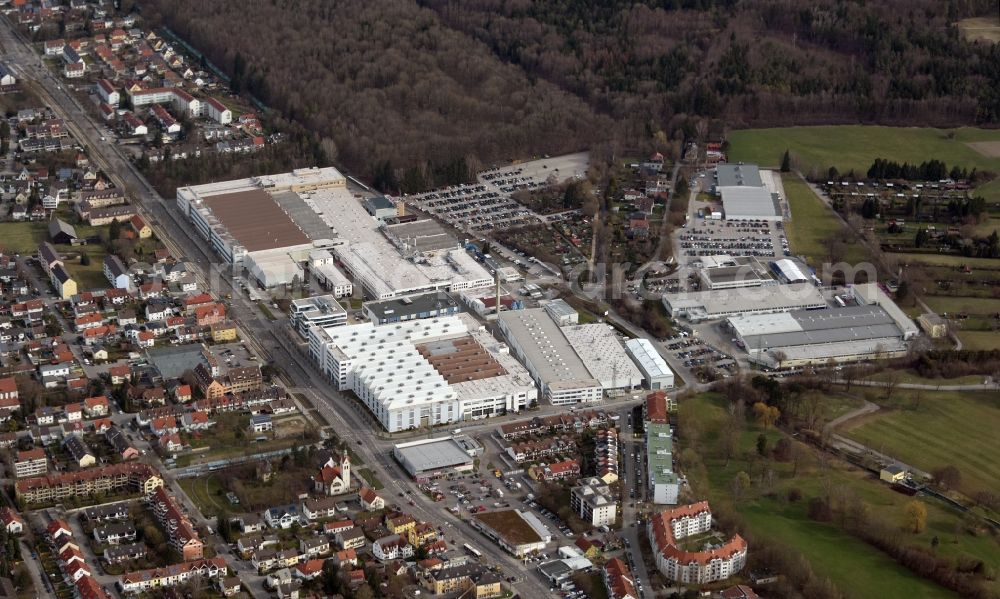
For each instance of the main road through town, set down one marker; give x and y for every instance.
(347, 422)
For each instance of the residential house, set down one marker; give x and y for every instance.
(370, 500)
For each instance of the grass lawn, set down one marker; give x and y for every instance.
(23, 238)
(87, 277)
(858, 569)
(203, 491)
(910, 377)
(957, 428)
(812, 221)
(982, 340)
(857, 146)
(370, 478)
(972, 305)
(946, 260)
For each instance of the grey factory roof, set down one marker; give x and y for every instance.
(749, 202)
(809, 327)
(724, 302)
(432, 454)
(411, 305)
(302, 215)
(424, 235)
(379, 203)
(544, 346)
(738, 175)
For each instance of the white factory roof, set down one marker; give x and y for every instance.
(385, 357)
(603, 354)
(278, 182)
(544, 346)
(790, 270)
(722, 302)
(648, 359)
(384, 270)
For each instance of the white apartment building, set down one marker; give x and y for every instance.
(692, 567)
(594, 502)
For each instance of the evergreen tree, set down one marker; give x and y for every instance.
(786, 163)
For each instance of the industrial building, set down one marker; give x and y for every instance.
(727, 272)
(273, 225)
(322, 310)
(603, 355)
(697, 306)
(321, 265)
(422, 372)
(429, 458)
(537, 340)
(561, 312)
(744, 196)
(788, 271)
(252, 224)
(801, 337)
(751, 203)
(655, 372)
(410, 307)
(519, 533)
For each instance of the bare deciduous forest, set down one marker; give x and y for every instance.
(425, 91)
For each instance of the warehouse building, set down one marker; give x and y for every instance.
(410, 307)
(430, 458)
(744, 196)
(871, 294)
(603, 355)
(788, 271)
(259, 223)
(804, 337)
(422, 372)
(727, 272)
(536, 339)
(751, 203)
(655, 372)
(697, 306)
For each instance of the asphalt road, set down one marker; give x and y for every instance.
(347, 422)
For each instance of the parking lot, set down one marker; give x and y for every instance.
(487, 205)
(705, 237)
(474, 208)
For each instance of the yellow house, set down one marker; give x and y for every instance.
(140, 227)
(223, 332)
(401, 525)
(444, 581)
(422, 533)
(893, 474)
(64, 284)
(150, 484)
(932, 324)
